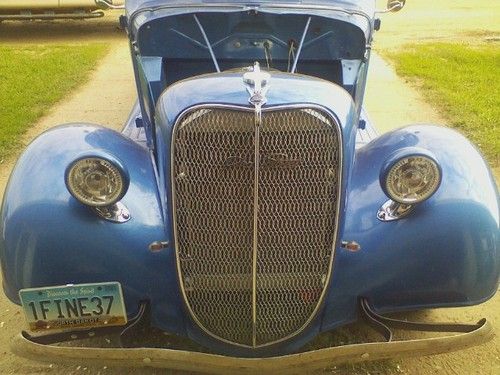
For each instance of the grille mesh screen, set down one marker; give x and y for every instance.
(213, 177)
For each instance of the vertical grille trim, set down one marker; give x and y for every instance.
(239, 328)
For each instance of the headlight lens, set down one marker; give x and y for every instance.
(412, 179)
(95, 181)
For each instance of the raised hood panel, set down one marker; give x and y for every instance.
(367, 6)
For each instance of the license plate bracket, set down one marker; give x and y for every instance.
(74, 306)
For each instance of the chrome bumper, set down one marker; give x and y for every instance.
(468, 335)
(50, 16)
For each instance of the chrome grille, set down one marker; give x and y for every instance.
(213, 173)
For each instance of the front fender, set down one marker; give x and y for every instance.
(49, 238)
(445, 253)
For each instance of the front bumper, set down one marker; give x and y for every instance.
(467, 335)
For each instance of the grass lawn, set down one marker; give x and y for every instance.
(461, 81)
(33, 78)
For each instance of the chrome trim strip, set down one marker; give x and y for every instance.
(257, 86)
(107, 4)
(209, 46)
(299, 50)
(54, 16)
(258, 122)
(336, 123)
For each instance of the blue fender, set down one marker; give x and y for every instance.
(49, 238)
(445, 253)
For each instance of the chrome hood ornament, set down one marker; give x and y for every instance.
(256, 82)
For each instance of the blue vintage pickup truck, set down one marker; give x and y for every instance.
(249, 203)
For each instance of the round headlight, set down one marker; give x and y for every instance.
(411, 179)
(95, 181)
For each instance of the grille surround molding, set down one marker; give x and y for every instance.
(217, 106)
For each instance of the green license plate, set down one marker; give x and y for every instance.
(74, 306)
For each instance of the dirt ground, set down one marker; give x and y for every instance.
(107, 99)
(443, 20)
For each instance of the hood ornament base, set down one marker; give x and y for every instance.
(256, 82)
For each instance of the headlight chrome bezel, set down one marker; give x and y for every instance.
(110, 170)
(419, 167)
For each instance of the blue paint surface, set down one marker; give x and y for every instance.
(445, 253)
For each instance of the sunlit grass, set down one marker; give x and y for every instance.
(461, 81)
(33, 78)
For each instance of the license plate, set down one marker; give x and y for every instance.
(74, 306)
